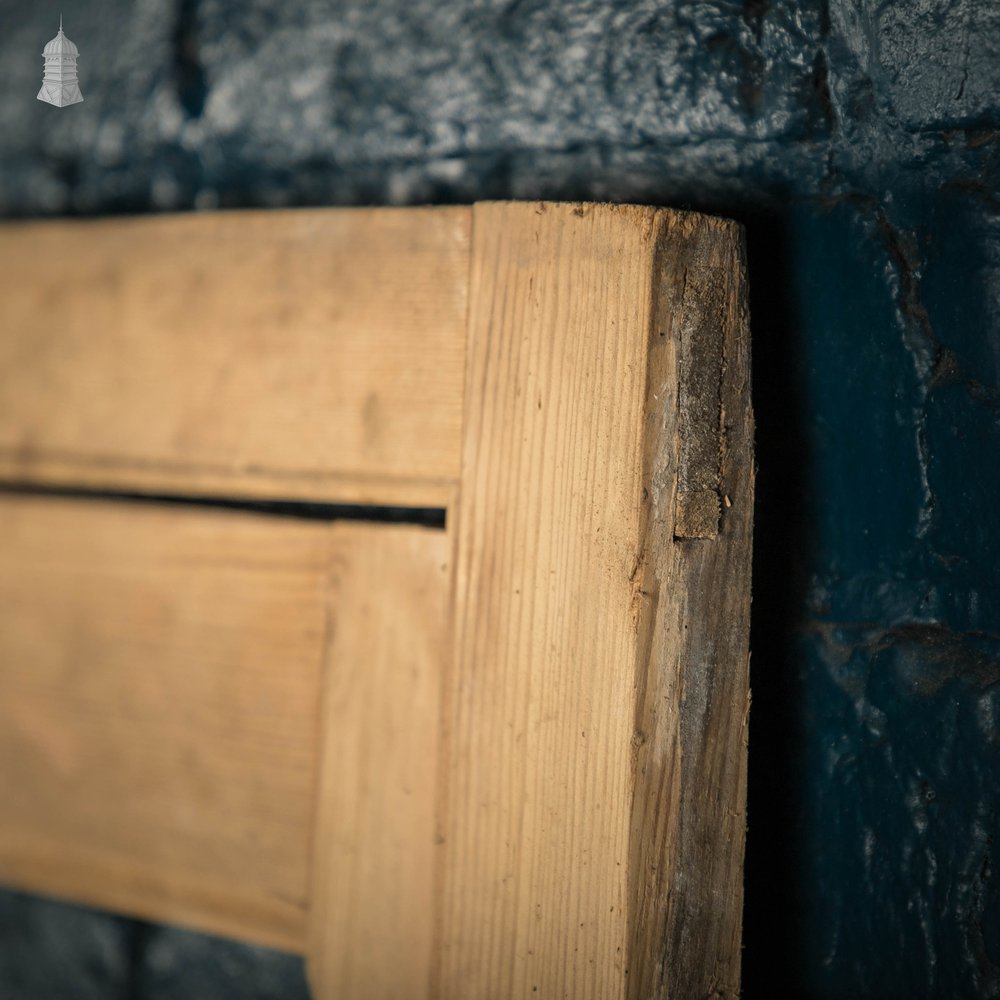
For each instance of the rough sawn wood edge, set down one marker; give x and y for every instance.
(693, 697)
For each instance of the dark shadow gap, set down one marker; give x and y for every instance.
(303, 510)
(776, 890)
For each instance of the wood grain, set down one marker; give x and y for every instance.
(376, 840)
(159, 680)
(692, 693)
(286, 354)
(574, 696)
(506, 760)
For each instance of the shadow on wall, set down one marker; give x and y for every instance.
(775, 895)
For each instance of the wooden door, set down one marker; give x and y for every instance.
(494, 749)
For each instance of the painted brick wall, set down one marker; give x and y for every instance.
(860, 143)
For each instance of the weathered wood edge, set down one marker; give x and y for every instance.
(692, 698)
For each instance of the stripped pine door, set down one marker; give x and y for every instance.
(496, 750)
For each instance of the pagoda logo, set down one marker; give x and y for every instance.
(59, 85)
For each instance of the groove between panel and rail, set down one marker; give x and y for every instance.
(428, 517)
